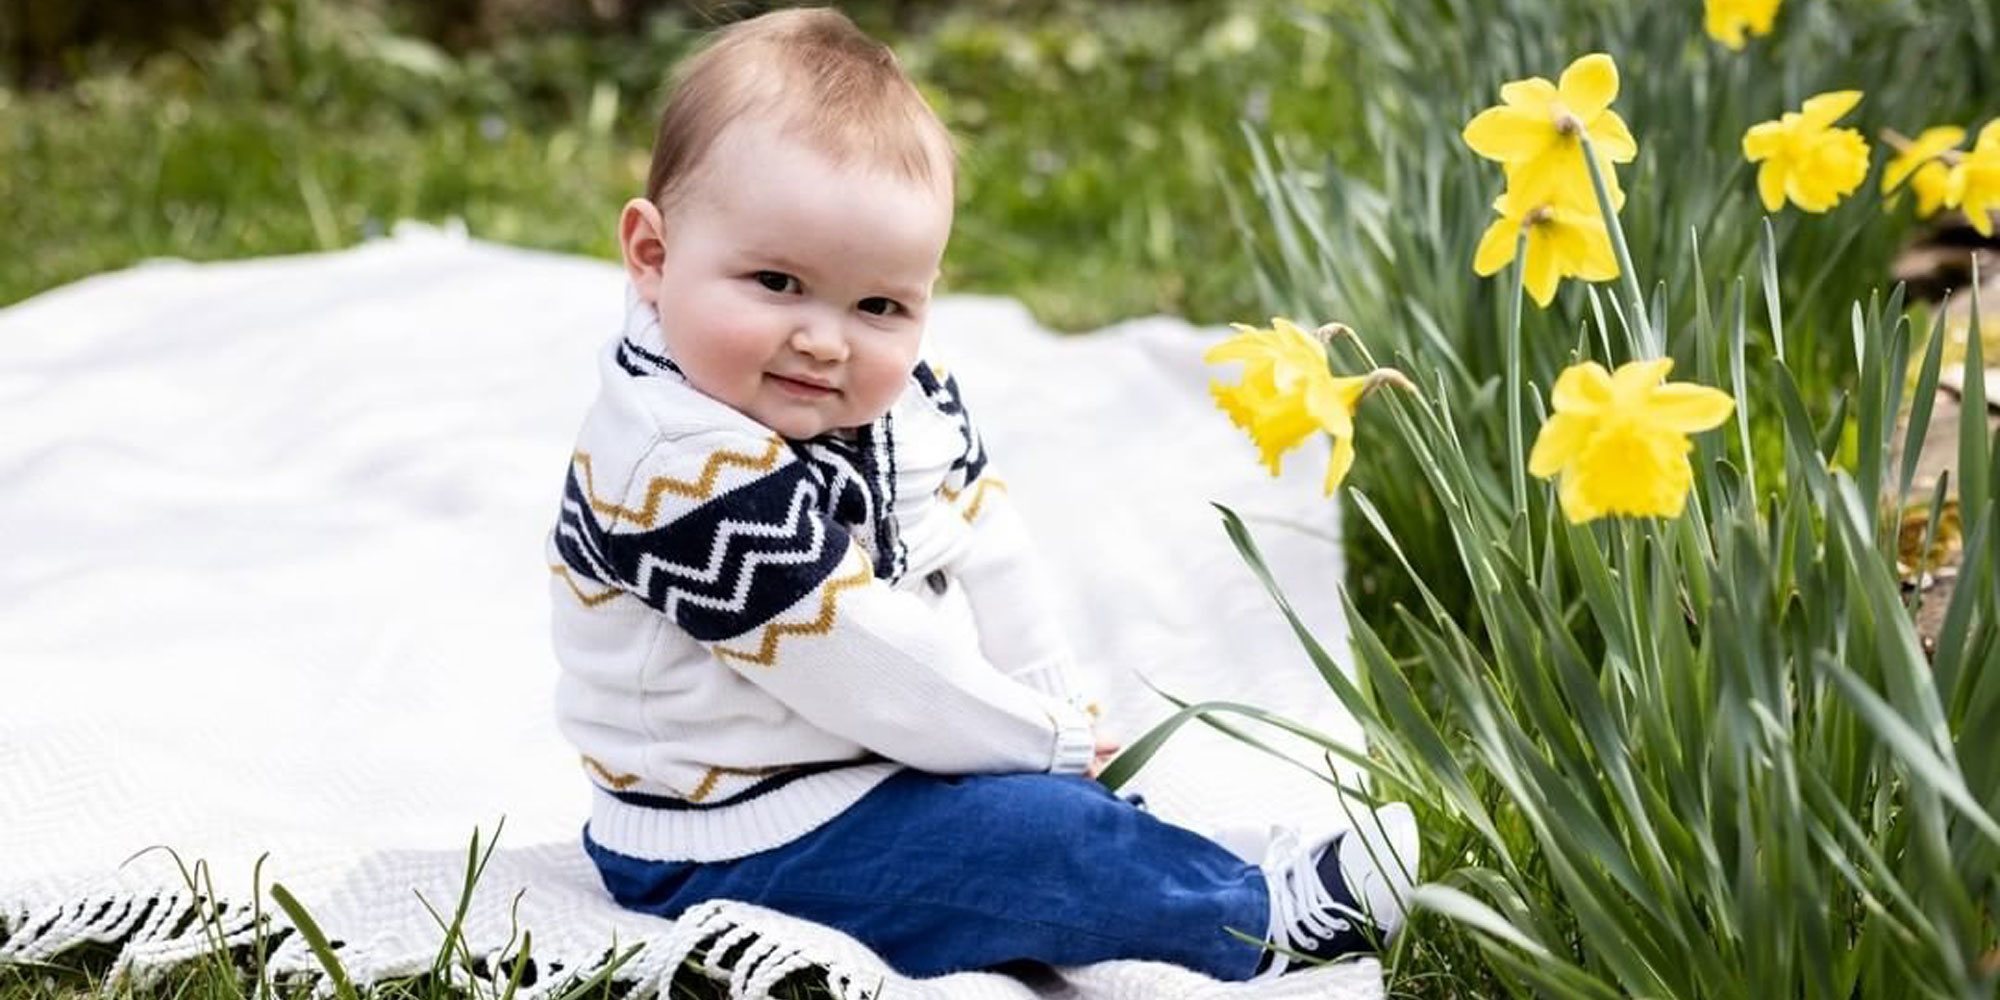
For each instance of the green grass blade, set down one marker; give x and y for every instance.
(322, 949)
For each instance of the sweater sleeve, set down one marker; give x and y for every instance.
(1006, 583)
(724, 534)
(1008, 588)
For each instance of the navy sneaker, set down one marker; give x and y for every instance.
(1339, 895)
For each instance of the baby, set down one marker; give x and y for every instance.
(806, 654)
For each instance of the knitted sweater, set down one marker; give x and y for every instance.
(754, 631)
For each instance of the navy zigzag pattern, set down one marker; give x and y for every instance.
(722, 569)
(944, 394)
(577, 534)
(637, 360)
(858, 490)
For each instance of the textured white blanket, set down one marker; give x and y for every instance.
(273, 583)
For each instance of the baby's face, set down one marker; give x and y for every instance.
(794, 289)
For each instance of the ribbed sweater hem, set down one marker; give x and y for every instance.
(728, 831)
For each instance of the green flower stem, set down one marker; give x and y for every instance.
(1650, 345)
(1516, 455)
(1630, 561)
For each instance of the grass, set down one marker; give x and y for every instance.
(231, 967)
(1097, 140)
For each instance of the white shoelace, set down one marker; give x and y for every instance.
(1303, 912)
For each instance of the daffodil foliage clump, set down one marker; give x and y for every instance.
(1384, 241)
(1642, 442)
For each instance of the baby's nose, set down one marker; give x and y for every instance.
(820, 340)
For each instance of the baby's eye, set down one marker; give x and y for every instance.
(777, 281)
(876, 305)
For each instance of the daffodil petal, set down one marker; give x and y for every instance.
(1771, 186)
(1576, 507)
(1542, 275)
(1566, 240)
(1598, 260)
(1898, 170)
(1557, 175)
(1824, 109)
(1331, 403)
(1938, 138)
(1339, 462)
(1930, 182)
(1533, 94)
(1559, 441)
(1231, 348)
(1281, 325)
(1724, 23)
(1589, 85)
(1686, 408)
(1496, 247)
(1581, 388)
(1762, 141)
(1922, 151)
(1980, 216)
(1636, 377)
(1761, 15)
(1260, 346)
(1507, 135)
(1613, 140)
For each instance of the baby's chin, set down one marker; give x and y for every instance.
(800, 426)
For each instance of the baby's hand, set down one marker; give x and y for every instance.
(1107, 748)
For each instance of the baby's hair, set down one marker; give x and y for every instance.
(821, 79)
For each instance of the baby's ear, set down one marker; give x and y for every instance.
(641, 236)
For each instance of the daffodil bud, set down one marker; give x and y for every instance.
(1330, 332)
(1387, 376)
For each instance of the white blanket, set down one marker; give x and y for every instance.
(273, 583)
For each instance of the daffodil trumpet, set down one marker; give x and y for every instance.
(1617, 442)
(1289, 391)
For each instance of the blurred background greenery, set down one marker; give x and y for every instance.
(1097, 135)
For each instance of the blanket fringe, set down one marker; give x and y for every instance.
(152, 933)
(753, 958)
(156, 934)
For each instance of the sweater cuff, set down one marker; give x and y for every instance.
(1076, 739)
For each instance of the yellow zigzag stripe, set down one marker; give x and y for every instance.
(978, 490)
(619, 782)
(828, 607)
(707, 786)
(589, 600)
(695, 489)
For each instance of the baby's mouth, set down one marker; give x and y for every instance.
(802, 386)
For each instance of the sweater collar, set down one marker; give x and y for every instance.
(643, 347)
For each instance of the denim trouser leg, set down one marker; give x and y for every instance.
(943, 873)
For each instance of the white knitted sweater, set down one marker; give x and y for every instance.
(754, 632)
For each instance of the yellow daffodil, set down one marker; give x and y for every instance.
(1288, 392)
(1566, 239)
(1922, 164)
(1975, 180)
(1534, 132)
(1932, 183)
(1619, 440)
(1726, 20)
(1803, 157)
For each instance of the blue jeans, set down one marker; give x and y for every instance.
(945, 873)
